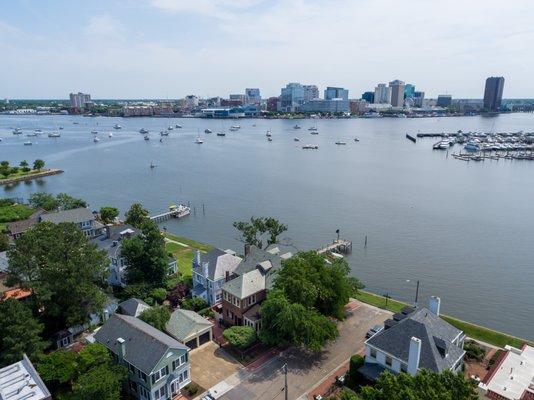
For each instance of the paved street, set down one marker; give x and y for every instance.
(306, 370)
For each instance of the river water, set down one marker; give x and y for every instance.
(464, 230)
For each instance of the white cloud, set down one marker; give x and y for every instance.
(105, 26)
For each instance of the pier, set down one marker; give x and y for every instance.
(410, 137)
(342, 246)
(179, 211)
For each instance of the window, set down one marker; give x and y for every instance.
(131, 368)
(141, 375)
(183, 359)
(218, 297)
(373, 353)
(156, 376)
(143, 391)
(161, 392)
(389, 360)
(133, 387)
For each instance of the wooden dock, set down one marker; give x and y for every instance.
(338, 246)
(410, 137)
(179, 211)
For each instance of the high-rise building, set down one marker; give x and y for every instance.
(272, 103)
(252, 96)
(311, 92)
(397, 93)
(335, 105)
(191, 101)
(296, 94)
(409, 91)
(79, 100)
(336, 93)
(444, 100)
(382, 94)
(418, 99)
(493, 93)
(368, 97)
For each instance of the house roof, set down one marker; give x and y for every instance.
(246, 285)
(434, 334)
(111, 240)
(132, 307)
(145, 345)
(75, 215)
(185, 323)
(269, 258)
(219, 262)
(21, 381)
(18, 227)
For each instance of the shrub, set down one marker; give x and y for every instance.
(158, 295)
(241, 337)
(353, 376)
(195, 304)
(156, 316)
(207, 312)
(177, 294)
(473, 351)
(191, 389)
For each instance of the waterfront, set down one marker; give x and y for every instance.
(463, 229)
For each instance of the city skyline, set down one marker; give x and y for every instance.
(172, 48)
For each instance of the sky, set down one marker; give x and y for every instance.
(171, 48)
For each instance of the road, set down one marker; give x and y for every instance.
(305, 369)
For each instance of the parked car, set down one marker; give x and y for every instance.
(373, 331)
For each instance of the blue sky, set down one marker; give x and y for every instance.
(171, 48)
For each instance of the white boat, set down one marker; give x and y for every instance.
(60, 128)
(472, 146)
(236, 127)
(117, 126)
(164, 133)
(32, 134)
(233, 129)
(356, 139)
(143, 130)
(27, 143)
(110, 134)
(96, 140)
(312, 128)
(94, 132)
(296, 127)
(38, 131)
(270, 139)
(17, 131)
(199, 141)
(170, 128)
(207, 130)
(340, 143)
(178, 126)
(268, 134)
(54, 134)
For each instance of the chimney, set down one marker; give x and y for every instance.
(434, 304)
(197, 258)
(205, 269)
(414, 356)
(227, 276)
(247, 249)
(122, 348)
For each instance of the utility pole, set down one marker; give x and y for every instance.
(285, 382)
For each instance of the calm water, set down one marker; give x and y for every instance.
(465, 230)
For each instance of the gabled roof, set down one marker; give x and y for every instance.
(75, 215)
(219, 262)
(434, 333)
(258, 257)
(132, 307)
(145, 345)
(18, 227)
(185, 323)
(246, 285)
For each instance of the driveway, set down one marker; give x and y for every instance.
(210, 365)
(306, 370)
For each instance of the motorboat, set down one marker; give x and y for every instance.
(296, 139)
(54, 134)
(472, 146)
(312, 128)
(143, 131)
(27, 143)
(314, 133)
(207, 130)
(442, 145)
(164, 133)
(96, 140)
(117, 126)
(356, 139)
(60, 128)
(94, 132)
(233, 129)
(268, 134)
(17, 131)
(170, 128)
(152, 165)
(296, 127)
(199, 141)
(178, 126)
(310, 146)
(236, 127)
(32, 134)
(221, 134)
(110, 134)
(340, 143)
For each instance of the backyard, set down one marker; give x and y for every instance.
(183, 250)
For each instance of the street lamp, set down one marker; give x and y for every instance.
(416, 291)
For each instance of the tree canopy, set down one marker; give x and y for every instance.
(157, 316)
(145, 256)
(108, 214)
(136, 215)
(63, 269)
(19, 333)
(49, 202)
(257, 230)
(240, 336)
(426, 385)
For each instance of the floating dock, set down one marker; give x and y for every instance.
(410, 137)
(179, 211)
(342, 246)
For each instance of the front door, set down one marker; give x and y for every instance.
(175, 388)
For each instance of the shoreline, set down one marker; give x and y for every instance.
(29, 177)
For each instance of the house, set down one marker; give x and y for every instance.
(242, 295)
(20, 381)
(111, 243)
(412, 340)
(210, 271)
(512, 375)
(158, 365)
(17, 228)
(82, 217)
(132, 307)
(189, 328)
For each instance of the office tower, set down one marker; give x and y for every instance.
(336, 93)
(397, 93)
(418, 98)
(493, 93)
(79, 100)
(444, 100)
(368, 97)
(252, 96)
(382, 94)
(409, 91)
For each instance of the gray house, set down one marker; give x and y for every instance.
(158, 365)
(82, 217)
(210, 271)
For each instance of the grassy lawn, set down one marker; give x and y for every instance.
(21, 173)
(14, 212)
(473, 331)
(184, 252)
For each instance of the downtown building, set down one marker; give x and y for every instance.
(493, 93)
(397, 93)
(80, 101)
(444, 100)
(324, 106)
(382, 94)
(252, 96)
(331, 93)
(295, 94)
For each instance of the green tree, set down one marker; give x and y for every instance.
(5, 168)
(255, 231)
(64, 270)
(38, 164)
(4, 242)
(426, 385)
(19, 333)
(101, 383)
(67, 202)
(136, 215)
(284, 322)
(194, 304)
(240, 336)
(59, 367)
(145, 256)
(46, 201)
(156, 316)
(108, 214)
(24, 166)
(158, 294)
